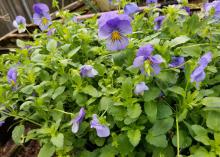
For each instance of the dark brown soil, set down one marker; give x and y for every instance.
(30, 150)
(9, 149)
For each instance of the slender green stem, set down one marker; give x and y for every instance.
(105, 111)
(63, 112)
(177, 136)
(23, 118)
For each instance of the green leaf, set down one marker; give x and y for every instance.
(184, 140)
(105, 103)
(158, 141)
(164, 152)
(178, 40)
(151, 94)
(163, 111)
(201, 134)
(124, 145)
(58, 92)
(73, 52)
(211, 102)
(168, 76)
(150, 109)
(108, 151)
(178, 90)
(58, 140)
(90, 90)
(213, 120)
(20, 43)
(134, 137)
(126, 89)
(47, 150)
(27, 89)
(190, 50)
(52, 45)
(162, 126)
(134, 110)
(17, 134)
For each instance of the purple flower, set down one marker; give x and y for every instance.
(158, 22)
(77, 120)
(151, 2)
(113, 27)
(51, 31)
(146, 62)
(102, 130)
(88, 71)
(198, 74)
(187, 9)
(176, 61)
(74, 19)
(213, 8)
(20, 24)
(2, 123)
(140, 88)
(41, 16)
(131, 8)
(12, 76)
(205, 59)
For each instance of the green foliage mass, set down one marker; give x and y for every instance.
(173, 117)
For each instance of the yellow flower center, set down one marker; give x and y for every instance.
(13, 83)
(44, 20)
(116, 36)
(147, 67)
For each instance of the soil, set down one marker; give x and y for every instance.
(9, 149)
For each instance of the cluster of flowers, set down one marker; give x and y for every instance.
(102, 130)
(114, 27)
(41, 18)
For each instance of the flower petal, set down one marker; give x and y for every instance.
(117, 44)
(145, 50)
(131, 8)
(138, 61)
(102, 131)
(105, 17)
(198, 74)
(205, 59)
(75, 127)
(105, 31)
(156, 68)
(157, 59)
(39, 8)
(124, 27)
(37, 19)
(140, 88)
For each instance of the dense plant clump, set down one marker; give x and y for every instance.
(134, 84)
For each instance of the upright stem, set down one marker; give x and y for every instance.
(177, 136)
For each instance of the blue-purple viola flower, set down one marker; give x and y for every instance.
(20, 24)
(77, 120)
(140, 88)
(88, 71)
(51, 31)
(148, 63)
(212, 8)
(101, 130)
(198, 74)
(187, 9)
(12, 76)
(158, 21)
(2, 123)
(41, 16)
(114, 28)
(148, 2)
(177, 62)
(131, 8)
